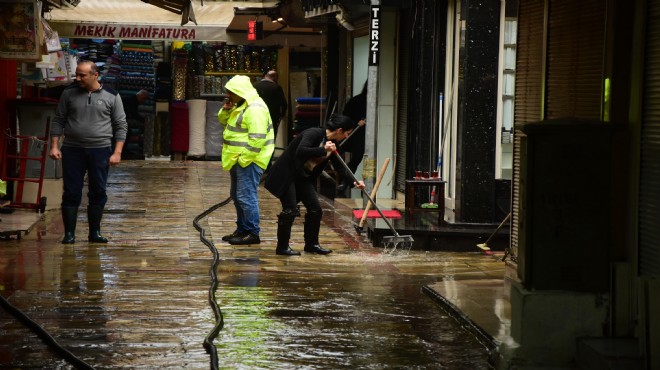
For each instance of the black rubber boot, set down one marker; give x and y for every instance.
(312, 228)
(284, 224)
(69, 217)
(94, 216)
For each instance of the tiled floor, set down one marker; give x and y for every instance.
(152, 278)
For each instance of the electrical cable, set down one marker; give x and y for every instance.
(219, 322)
(43, 334)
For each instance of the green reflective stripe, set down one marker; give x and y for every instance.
(242, 145)
(235, 143)
(257, 136)
(239, 120)
(236, 129)
(269, 142)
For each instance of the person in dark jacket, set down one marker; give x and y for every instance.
(132, 103)
(273, 96)
(292, 179)
(356, 109)
(89, 117)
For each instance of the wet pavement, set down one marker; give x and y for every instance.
(142, 300)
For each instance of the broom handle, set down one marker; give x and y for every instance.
(341, 160)
(498, 228)
(374, 190)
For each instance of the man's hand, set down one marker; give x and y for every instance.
(55, 153)
(115, 159)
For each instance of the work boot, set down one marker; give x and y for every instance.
(233, 235)
(316, 249)
(245, 239)
(94, 216)
(312, 228)
(69, 217)
(284, 224)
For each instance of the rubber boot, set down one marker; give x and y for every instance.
(69, 217)
(312, 228)
(94, 216)
(284, 224)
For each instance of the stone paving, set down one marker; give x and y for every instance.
(141, 301)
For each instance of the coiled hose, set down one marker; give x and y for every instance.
(219, 322)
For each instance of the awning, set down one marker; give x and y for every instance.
(134, 19)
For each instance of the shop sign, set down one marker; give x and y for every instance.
(374, 36)
(139, 32)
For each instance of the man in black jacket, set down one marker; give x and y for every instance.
(273, 96)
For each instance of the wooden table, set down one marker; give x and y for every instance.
(413, 188)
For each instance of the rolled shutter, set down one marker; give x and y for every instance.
(649, 190)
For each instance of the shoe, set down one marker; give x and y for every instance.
(96, 237)
(286, 252)
(233, 235)
(317, 249)
(245, 239)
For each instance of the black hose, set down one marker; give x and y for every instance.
(208, 341)
(219, 323)
(43, 334)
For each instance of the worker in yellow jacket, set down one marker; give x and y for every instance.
(248, 144)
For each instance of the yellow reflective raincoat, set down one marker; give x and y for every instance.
(248, 135)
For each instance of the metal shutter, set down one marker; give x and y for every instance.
(529, 87)
(529, 63)
(402, 108)
(576, 37)
(649, 191)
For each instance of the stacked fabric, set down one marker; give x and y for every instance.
(180, 127)
(137, 73)
(214, 129)
(137, 67)
(310, 112)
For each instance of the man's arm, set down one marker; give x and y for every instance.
(55, 152)
(115, 158)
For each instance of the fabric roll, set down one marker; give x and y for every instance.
(179, 72)
(148, 140)
(162, 134)
(310, 100)
(311, 107)
(197, 121)
(180, 128)
(213, 130)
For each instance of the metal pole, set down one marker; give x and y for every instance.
(371, 134)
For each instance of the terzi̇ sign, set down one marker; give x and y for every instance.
(374, 36)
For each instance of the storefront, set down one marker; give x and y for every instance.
(139, 46)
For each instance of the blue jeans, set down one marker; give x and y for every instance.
(75, 163)
(243, 190)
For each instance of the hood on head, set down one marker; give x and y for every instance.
(242, 86)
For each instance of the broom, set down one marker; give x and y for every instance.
(484, 246)
(359, 227)
(405, 241)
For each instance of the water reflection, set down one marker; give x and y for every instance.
(328, 318)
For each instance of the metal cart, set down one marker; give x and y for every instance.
(20, 149)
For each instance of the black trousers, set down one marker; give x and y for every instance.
(301, 190)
